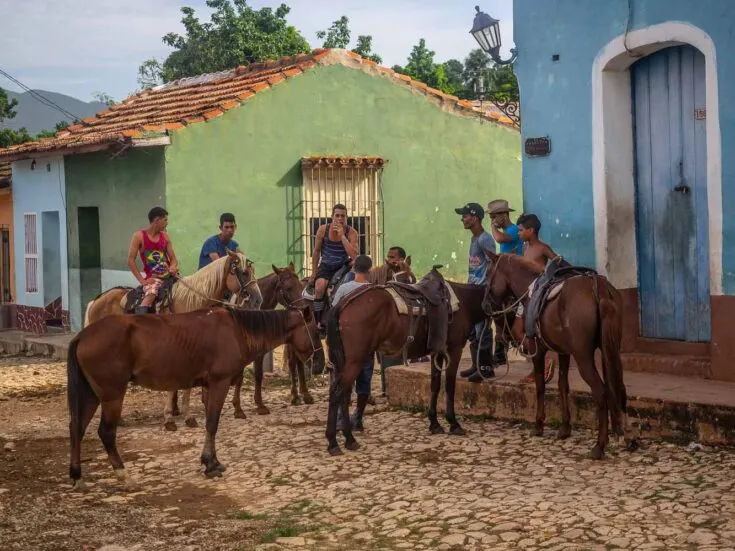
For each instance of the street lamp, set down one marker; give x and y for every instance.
(486, 31)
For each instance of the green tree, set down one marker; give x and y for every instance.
(9, 137)
(51, 133)
(337, 36)
(7, 107)
(476, 73)
(235, 35)
(421, 64)
(103, 98)
(453, 70)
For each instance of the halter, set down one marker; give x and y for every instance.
(394, 275)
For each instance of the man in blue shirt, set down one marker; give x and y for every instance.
(216, 246)
(507, 235)
(481, 241)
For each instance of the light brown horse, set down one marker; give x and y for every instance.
(371, 323)
(203, 348)
(207, 286)
(585, 316)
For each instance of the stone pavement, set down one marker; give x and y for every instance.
(496, 488)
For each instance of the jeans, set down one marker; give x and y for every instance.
(362, 383)
(487, 337)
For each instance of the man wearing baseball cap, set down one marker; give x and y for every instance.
(507, 236)
(481, 241)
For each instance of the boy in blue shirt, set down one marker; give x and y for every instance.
(216, 246)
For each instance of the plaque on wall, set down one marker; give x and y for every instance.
(538, 147)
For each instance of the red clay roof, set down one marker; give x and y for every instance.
(162, 109)
(349, 161)
(6, 171)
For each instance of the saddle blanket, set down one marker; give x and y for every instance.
(555, 290)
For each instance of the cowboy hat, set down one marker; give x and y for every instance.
(498, 206)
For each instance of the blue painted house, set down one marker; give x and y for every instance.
(637, 100)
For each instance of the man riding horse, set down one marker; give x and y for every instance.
(335, 248)
(156, 252)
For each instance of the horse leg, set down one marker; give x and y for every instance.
(335, 402)
(436, 384)
(88, 408)
(538, 370)
(308, 399)
(111, 412)
(168, 412)
(566, 426)
(451, 384)
(189, 418)
(350, 442)
(215, 400)
(258, 376)
(295, 398)
(586, 366)
(236, 404)
(175, 410)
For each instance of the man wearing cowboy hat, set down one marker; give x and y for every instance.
(503, 230)
(507, 235)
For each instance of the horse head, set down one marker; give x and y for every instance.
(241, 281)
(289, 290)
(401, 271)
(499, 284)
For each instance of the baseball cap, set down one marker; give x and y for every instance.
(471, 208)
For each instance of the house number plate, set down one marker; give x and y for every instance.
(700, 114)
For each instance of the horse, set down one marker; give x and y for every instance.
(370, 323)
(232, 273)
(202, 348)
(585, 316)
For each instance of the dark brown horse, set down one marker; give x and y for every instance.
(372, 323)
(586, 315)
(204, 348)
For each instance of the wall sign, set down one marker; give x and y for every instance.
(700, 114)
(538, 147)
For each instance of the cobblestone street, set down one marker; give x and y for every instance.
(497, 488)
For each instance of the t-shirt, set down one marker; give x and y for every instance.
(514, 246)
(215, 245)
(345, 288)
(478, 260)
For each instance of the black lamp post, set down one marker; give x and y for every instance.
(486, 31)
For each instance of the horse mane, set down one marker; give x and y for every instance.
(202, 286)
(379, 274)
(261, 327)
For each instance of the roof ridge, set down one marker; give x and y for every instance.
(188, 100)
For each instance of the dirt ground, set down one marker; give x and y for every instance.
(497, 488)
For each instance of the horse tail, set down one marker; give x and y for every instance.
(610, 339)
(334, 341)
(78, 389)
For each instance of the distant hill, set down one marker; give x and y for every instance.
(36, 116)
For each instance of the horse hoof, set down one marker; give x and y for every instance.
(596, 453)
(214, 472)
(262, 410)
(191, 422)
(438, 429)
(170, 426)
(239, 414)
(537, 431)
(456, 430)
(79, 486)
(352, 446)
(295, 401)
(335, 451)
(220, 467)
(308, 399)
(564, 433)
(632, 445)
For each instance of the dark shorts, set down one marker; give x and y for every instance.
(325, 271)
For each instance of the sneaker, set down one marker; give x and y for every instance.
(482, 374)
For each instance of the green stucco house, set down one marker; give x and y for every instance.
(277, 144)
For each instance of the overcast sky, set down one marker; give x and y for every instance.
(77, 47)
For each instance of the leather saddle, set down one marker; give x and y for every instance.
(135, 295)
(547, 287)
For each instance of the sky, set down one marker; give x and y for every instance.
(79, 47)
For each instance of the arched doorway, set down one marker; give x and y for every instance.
(670, 150)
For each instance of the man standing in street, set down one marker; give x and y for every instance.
(507, 236)
(481, 338)
(216, 246)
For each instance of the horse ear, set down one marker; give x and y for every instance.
(437, 267)
(275, 270)
(231, 254)
(292, 267)
(408, 260)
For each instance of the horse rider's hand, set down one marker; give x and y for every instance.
(340, 231)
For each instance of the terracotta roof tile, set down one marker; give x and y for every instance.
(6, 171)
(203, 97)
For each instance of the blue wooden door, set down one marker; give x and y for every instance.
(671, 193)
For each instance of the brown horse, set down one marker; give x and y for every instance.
(372, 323)
(203, 348)
(586, 315)
(207, 286)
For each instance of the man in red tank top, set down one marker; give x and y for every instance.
(156, 253)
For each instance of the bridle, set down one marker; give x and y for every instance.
(394, 275)
(239, 273)
(288, 304)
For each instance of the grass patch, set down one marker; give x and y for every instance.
(287, 528)
(280, 481)
(247, 515)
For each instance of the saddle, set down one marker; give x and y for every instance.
(547, 287)
(134, 297)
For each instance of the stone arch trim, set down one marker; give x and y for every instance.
(613, 184)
